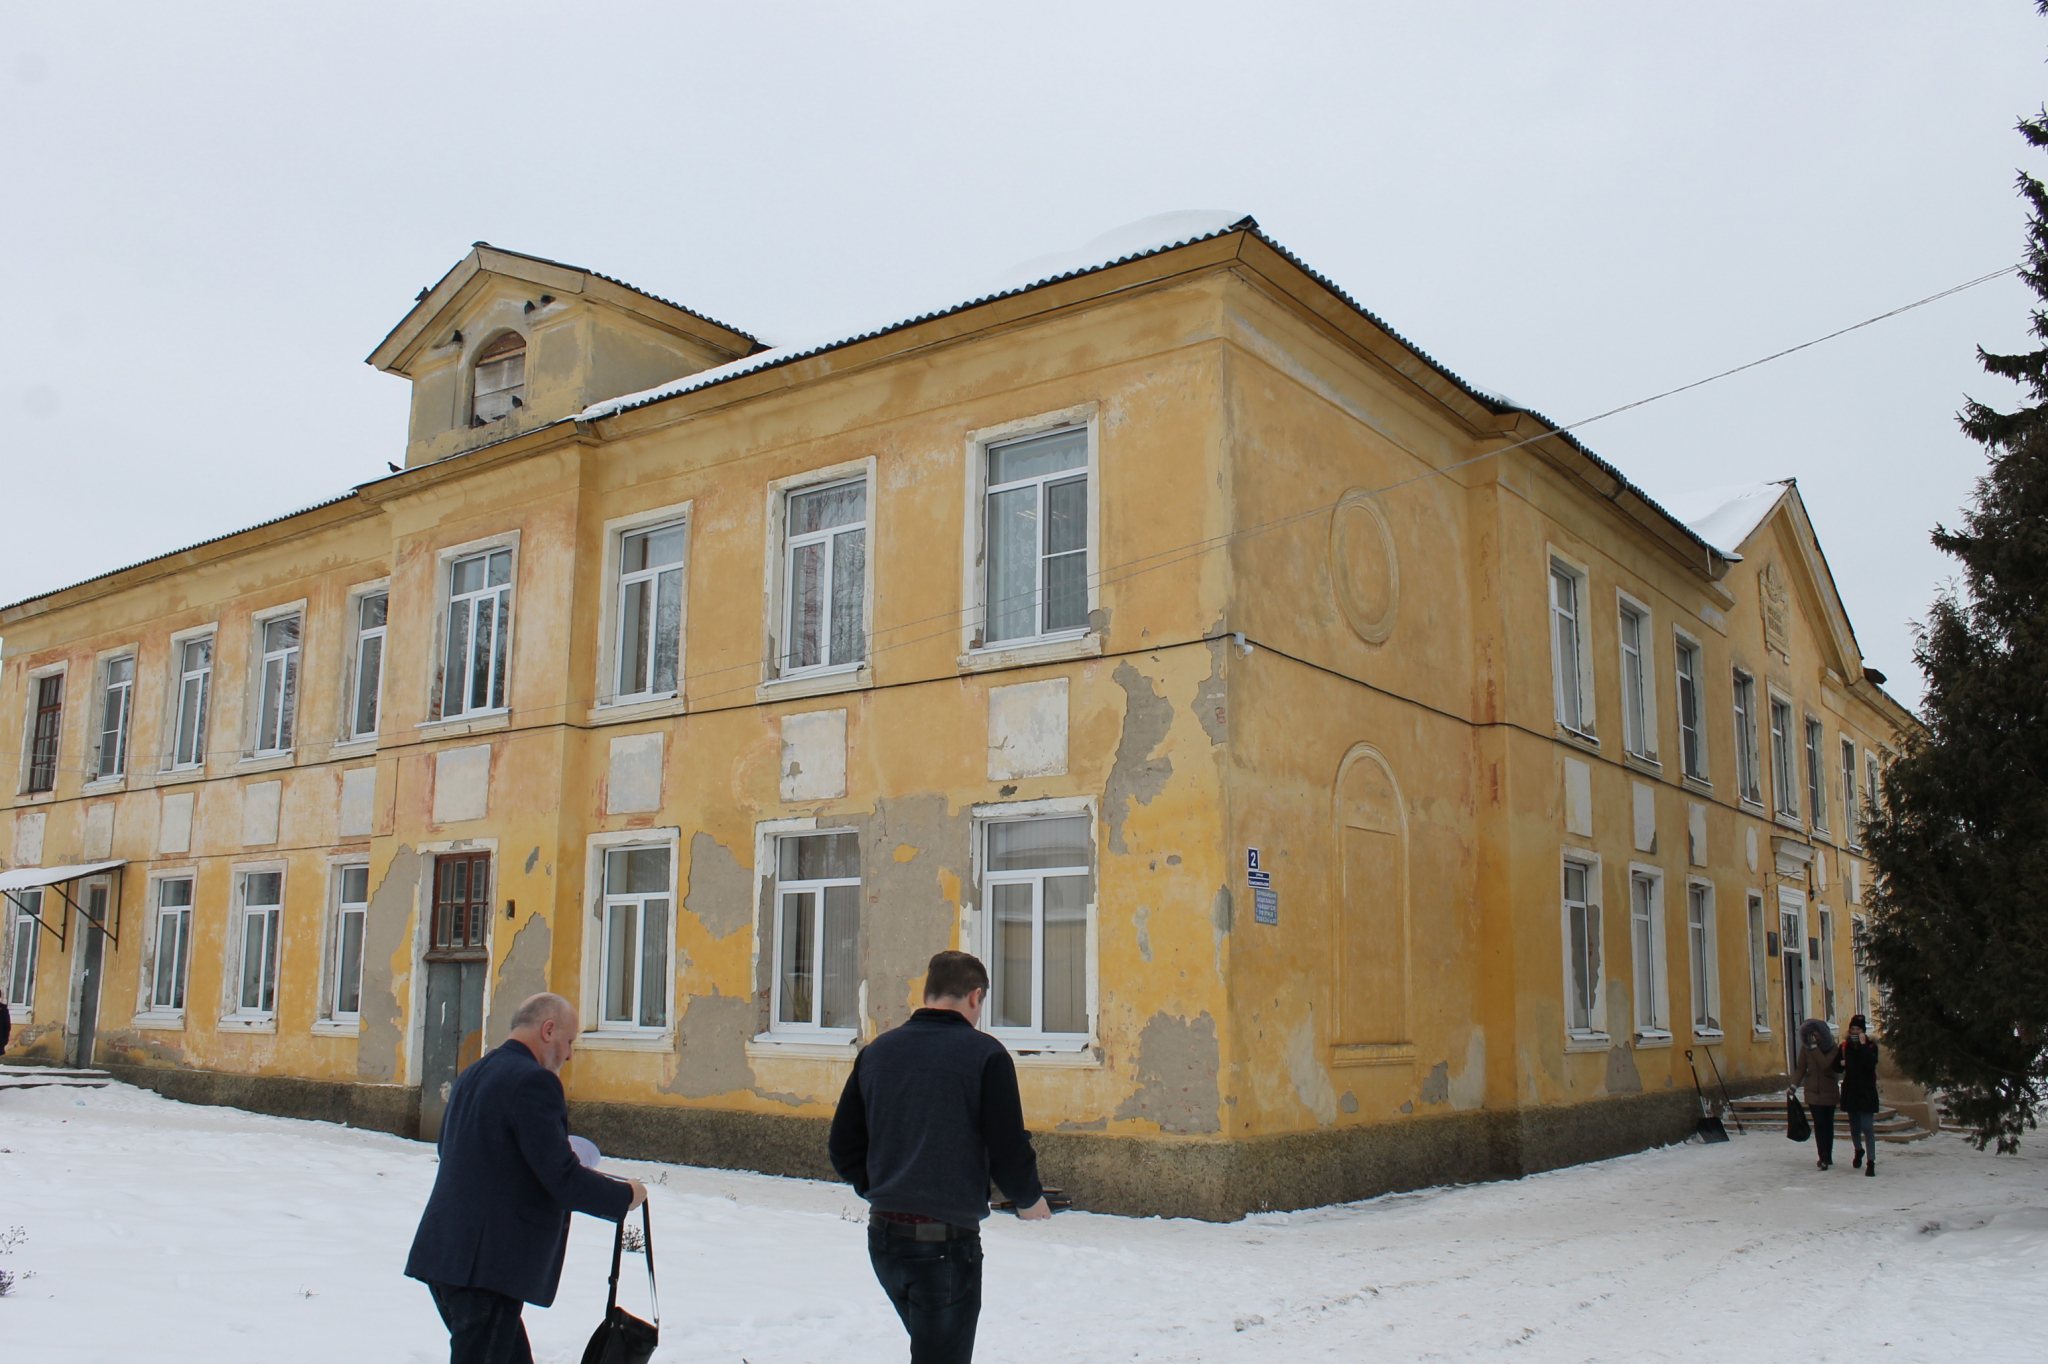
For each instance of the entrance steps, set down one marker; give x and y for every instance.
(48, 1077)
(1768, 1115)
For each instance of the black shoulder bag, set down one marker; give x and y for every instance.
(624, 1338)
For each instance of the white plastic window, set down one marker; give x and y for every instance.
(1567, 640)
(1747, 777)
(279, 670)
(1036, 505)
(479, 629)
(262, 912)
(1582, 948)
(825, 571)
(1036, 886)
(1646, 938)
(1784, 775)
(636, 937)
(195, 692)
(366, 688)
(24, 944)
(650, 611)
(1701, 944)
(172, 959)
(1636, 712)
(351, 914)
(817, 933)
(117, 707)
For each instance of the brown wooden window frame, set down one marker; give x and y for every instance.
(45, 731)
(462, 916)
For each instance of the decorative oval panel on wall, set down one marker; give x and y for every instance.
(1365, 574)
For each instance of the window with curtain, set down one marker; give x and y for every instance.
(1748, 779)
(172, 959)
(1567, 647)
(1692, 745)
(1647, 940)
(636, 937)
(1784, 774)
(23, 947)
(351, 914)
(1036, 549)
(650, 640)
(117, 709)
(195, 692)
(825, 569)
(366, 688)
(1636, 711)
(1036, 900)
(479, 624)
(817, 933)
(1582, 942)
(1701, 945)
(279, 674)
(262, 915)
(1816, 774)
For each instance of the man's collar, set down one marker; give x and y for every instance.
(941, 1015)
(515, 1042)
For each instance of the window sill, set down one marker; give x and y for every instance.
(1587, 1041)
(1697, 784)
(1709, 1035)
(1654, 1040)
(1026, 1045)
(265, 1023)
(792, 1047)
(1752, 807)
(1640, 763)
(1760, 1034)
(1792, 822)
(104, 785)
(1022, 653)
(156, 1021)
(857, 678)
(337, 1027)
(624, 712)
(1579, 738)
(36, 797)
(349, 748)
(652, 1039)
(263, 762)
(176, 775)
(480, 722)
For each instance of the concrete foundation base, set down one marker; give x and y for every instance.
(1134, 1176)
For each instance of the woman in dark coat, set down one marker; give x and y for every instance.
(1859, 1092)
(1819, 1059)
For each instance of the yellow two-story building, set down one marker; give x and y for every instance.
(1351, 781)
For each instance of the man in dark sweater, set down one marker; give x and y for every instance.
(929, 1114)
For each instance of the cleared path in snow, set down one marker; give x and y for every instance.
(188, 1235)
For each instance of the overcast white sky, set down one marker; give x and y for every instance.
(214, 212)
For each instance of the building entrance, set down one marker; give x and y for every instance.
(457, 963)
(1792, 945)
(91, 956)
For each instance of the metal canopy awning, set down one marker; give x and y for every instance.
(13, 883)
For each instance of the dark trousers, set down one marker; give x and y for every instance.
(483, 1326)
(1823, 1131)
(935, 1287)
(1863, 1131)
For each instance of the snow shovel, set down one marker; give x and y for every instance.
(1727, 1104)
(1710, 1128)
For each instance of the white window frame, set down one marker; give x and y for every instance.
(1759, 918)
(477, 362)
(1692, 765)
(149, 1013)
(812, 1031)
(444, 597)
(1594, 1035)
(330, 1019)
(1650, 977)
(619, 581)
(1859, 928)
(21, 928)
(1638, 713)
(1824, 925)
(292, 663)
(618, 1036)
(1703, 947)
(612, 605)
(1852, 816)
(352, 667)
(974, 649)
(781, 681)
(175, 699)
(124, 737)
(1814, 739)
(1749, 737)
(31, 687)
(1786, 771)
(235, 1017)
(980, 929)
(1580, 686)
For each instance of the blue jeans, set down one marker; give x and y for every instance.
(1863, 1131)
(483, 1326)
(935, 1287)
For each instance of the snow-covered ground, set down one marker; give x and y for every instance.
(184, 1235)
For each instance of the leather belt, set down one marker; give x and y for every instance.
(921, 1231)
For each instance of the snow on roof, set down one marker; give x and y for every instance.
(1725, 517)
(1144, 237)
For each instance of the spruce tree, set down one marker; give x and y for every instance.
(1958, 939)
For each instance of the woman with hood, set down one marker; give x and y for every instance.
(1816, 1071)
(1859, 1093)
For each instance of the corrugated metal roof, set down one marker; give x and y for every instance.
(631, 288)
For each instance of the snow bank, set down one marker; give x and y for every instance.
(1725, 517)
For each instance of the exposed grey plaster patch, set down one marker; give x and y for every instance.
(1098, 622)
(1173, 860)
(711, 1051)
(1136, 775)
(1209, 695)
(381, 1038)
(1222, 915)
(132, 1042)
(793, 1100)
(1138, 921)
(1436, 1086)
(1311, 1081)
(1177, 1063)
(907, 916)
(720, 891)
(1408, 1107)
(533, 859)
(1093, 1125)
(1349, 1102)
(522, 975)
(1007, 791)
(1622, 1076)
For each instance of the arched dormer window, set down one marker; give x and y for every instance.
(500, 379)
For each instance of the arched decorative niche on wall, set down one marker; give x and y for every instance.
(498, 380)
(1365, 573)
(1370, 946)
